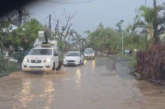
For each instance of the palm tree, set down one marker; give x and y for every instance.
(70, 34)
(149, 22)
(77, 39)
(146, 13)
(83, 41)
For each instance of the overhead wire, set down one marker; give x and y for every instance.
(65, 3)
(44, 18)
(69, 2)
(47, 16)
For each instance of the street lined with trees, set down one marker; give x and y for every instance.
(103, 82)
(142, 37)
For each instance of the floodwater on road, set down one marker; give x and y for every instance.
(95, 85)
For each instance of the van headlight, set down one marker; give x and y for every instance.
(26, 60)
(77, 59)
(46, 60)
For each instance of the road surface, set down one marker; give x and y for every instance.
(95, 85)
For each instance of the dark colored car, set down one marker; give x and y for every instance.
(89, 53)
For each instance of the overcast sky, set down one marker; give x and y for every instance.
(90, 14)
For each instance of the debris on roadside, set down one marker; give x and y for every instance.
(150, 64)
(137, 76)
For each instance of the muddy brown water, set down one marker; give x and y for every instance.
(95, 85)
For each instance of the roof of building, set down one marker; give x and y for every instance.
(11, 28)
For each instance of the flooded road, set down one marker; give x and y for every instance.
(95, 85)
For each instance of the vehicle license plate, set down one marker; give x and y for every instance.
(31, 68)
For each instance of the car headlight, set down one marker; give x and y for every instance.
(84, 54)
(26, 60)
(93, 54)
(46, 60)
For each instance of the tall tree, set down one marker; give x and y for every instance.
(151, 22)
(63, 29)
(31, 32)
(77, 40)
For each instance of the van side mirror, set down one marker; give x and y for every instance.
(55, 54)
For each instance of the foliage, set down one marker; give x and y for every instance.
(31, 32)
(108, 39)
(150, 64)
(23, 36)
(12, 67)
(151, 22)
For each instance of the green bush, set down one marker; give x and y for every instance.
(12, 68)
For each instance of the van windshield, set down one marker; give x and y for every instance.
(41, 52)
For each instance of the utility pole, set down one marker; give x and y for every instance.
(50, 22)
(145, 3)
(20, 24)
(19, 17)
(122, 37)
(122, 41)
(154, 1)
(154, 22)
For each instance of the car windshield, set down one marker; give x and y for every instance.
(41, 52)
(88, 50)
(73, 54)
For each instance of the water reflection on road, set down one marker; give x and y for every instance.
(78, 78)
(95, 85)
(25, 96)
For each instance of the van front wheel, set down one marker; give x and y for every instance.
(53, 68)
(59, 66)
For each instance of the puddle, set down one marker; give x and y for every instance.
(52, 74)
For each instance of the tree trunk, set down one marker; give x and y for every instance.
(155, 33)
(151, 33)
(68, 42)
(3, 65)
(20, 16)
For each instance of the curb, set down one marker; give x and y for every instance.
(132, 71)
